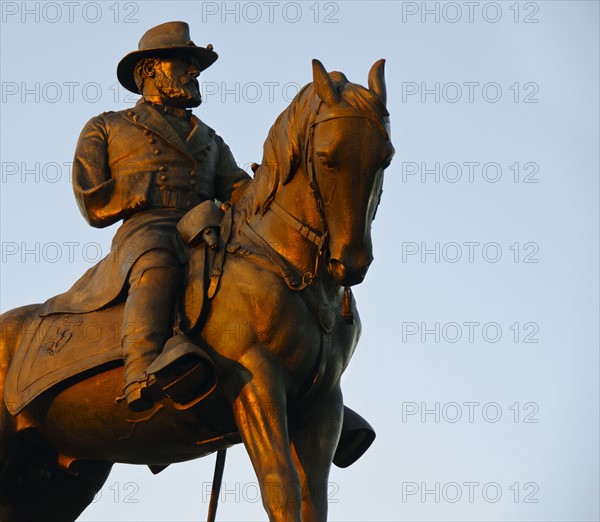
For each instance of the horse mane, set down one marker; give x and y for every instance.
(286, 139)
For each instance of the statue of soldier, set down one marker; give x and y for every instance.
(148, 166)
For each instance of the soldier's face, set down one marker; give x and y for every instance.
(176, 82)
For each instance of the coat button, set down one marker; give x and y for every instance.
(193, 173)
(162, 168)
(152, 141)
(146, 132)
(192, 181)
(164, 178)
(157, 152)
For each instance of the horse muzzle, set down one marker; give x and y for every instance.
(349, 273)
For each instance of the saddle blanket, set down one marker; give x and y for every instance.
(61, 346)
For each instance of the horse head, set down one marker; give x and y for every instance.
(347, 153)
(333, 141)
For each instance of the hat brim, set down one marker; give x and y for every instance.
(204, 58)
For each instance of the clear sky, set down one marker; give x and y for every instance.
(478, 365)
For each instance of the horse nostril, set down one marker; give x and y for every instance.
(334, 266)
(345, 275)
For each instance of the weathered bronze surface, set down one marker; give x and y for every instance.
(227, 298)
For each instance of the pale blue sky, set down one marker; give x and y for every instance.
(500, 264)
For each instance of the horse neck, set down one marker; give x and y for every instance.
(297, 198)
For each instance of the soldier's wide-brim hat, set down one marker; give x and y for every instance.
(163, 41)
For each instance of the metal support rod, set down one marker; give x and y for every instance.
(216, 485)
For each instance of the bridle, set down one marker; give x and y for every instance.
(321, 238)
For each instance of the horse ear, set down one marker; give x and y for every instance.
(323, 85)
(377, 80)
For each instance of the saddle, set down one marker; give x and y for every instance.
(58, 346)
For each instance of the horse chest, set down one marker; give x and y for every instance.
(333, 337)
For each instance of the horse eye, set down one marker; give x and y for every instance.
(325, 163)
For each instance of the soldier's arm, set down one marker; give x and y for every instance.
(231, 179)
(93, 184)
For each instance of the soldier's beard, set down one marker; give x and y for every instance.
(173, 92)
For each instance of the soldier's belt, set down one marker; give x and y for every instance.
(179, 199)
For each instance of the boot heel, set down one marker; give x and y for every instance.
(136, 398)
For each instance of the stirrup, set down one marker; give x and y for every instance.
(183, 370)
(356, 438)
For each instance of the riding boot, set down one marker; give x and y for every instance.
(146, 326)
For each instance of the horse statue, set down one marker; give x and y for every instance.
(278, 333)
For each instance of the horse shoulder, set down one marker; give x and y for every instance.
(254, 306)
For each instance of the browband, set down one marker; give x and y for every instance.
(351, 112)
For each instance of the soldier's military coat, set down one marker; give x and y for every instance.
(133, 165)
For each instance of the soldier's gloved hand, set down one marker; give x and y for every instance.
(211, 237)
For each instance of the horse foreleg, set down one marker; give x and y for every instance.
(260, 413)
(313, 446)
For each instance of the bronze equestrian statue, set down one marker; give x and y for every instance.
(223, 313)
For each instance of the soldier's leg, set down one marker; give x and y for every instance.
(153, 285)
